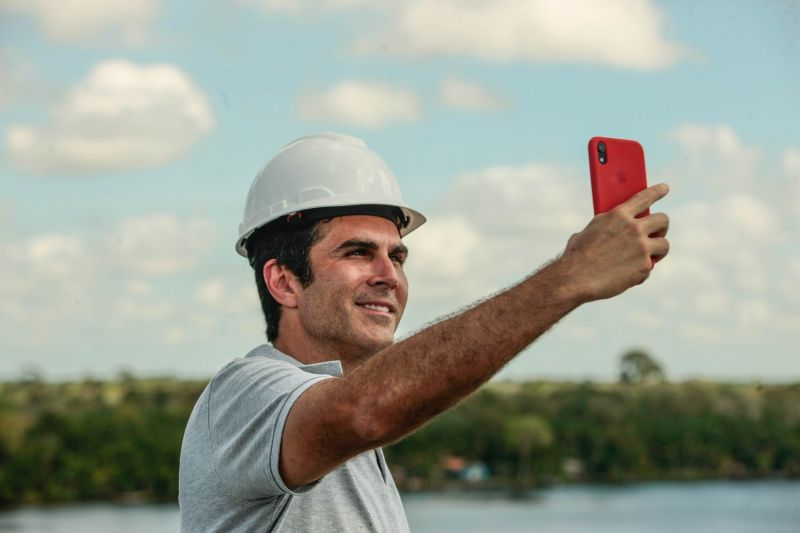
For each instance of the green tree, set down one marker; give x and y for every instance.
(637, 366)
(527, 434)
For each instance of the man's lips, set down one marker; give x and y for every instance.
(378, 306)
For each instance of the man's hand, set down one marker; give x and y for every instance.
(613, 253)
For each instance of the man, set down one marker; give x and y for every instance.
(288, 438)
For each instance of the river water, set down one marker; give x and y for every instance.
(730, 507)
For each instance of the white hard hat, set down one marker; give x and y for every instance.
(327, 172)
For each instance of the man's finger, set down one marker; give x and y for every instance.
(642, 200)
(656, 225)
(659, 248)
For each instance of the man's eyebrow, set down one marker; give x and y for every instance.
(400, 248)
(369, 245)
(356, 243)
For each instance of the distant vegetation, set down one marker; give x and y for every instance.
(547, 432)
(121, 439)
(92, 440)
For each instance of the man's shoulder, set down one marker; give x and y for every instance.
(265, 367)
(261, 363)
(261, 357)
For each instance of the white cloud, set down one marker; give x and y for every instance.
(700, 333)
(53, 283)
(719, 141)
(491, 228)
(6, 81)
(718, 282)
(122, 116)
(221, 296)
(140, 301)
(79, 21)
(515, 200)
(728, 236)
(757, 220)
(712, 302)
(46, 278)
(211, 292)
(365, 104)
(311, 7)
(13, 77)
(158, 244)
(149, 311)
(791, 281)
(21, 80)
(791, 166)
(717, 154)
(176, 335)
(102, 304)
(469, 96)
(624, 34)
(7, 213)
(441, 254)
(724, 279)
(749, 217)
(791, 162)
(56, 255)
(753, 314)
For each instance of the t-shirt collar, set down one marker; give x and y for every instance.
(329, 368)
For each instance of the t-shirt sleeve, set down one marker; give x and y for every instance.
(249, 402)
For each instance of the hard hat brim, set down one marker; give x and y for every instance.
(405, 218)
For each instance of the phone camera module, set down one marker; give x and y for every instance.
(601, 152)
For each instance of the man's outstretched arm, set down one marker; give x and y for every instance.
(410, 382)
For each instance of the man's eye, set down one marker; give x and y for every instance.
(398, 259)
(357, 251)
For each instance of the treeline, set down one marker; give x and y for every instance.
(542, 432)
(121, 439)
(92, 440)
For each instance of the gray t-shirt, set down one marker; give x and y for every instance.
(229, 471)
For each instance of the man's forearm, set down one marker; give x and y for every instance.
(408, 383)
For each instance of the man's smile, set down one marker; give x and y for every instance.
(382, 308)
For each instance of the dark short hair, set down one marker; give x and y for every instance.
(290, 246)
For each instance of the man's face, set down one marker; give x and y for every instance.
(359, 292)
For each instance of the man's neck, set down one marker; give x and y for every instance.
(309, 352)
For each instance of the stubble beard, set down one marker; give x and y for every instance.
(341, 332)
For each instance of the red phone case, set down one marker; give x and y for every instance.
(621, 175)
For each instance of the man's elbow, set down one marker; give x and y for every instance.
(370, 427)
(360, 422)
(377, 421)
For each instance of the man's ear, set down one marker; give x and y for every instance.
(281, 283)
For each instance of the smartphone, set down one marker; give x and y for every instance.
(617, 171)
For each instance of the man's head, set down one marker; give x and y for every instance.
(324, 195)
(350, 300)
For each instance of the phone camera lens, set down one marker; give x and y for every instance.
(601, 147)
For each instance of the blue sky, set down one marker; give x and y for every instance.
(131, 132)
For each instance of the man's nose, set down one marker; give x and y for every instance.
(384, 272)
